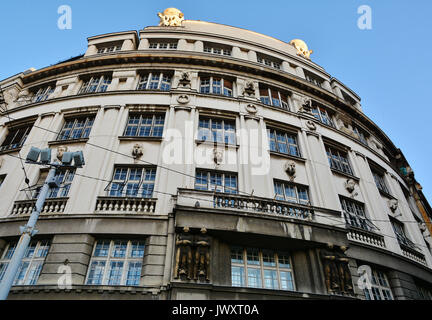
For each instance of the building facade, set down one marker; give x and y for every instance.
(219, 164)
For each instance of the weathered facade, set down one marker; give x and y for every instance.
(220, 164)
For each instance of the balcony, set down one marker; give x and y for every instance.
(366, 237)
(246, 204)
(410, 252)
(51, 206)
(120, 205)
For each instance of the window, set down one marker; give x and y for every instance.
(399, 230)
(163, 45)
(145, 125)
(31, 265)
(380, 182)
(338, 160)
(16, 138)
(109, 49)
(283, 142)
(354, 214)
(424, 293)
(96, 84)
(313, 79)
(217, 50)
(133, 182)
(76, 128)
(154, 81)
(216, 130)
(216, 85)
(290, 192)
(275, 98)
(2, 179)
(116, 262)
(257, 268)
(322, 115)
(63, 176)
(43, 94)
(216, 181)
(361, 134)
(269, 62)
(380, 288)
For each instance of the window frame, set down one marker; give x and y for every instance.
(354, 214)
(213, 49)
(109, 49)
(155, 118)
(338, 160)
(100, 84)
(65, 183)
(380, 283)
(38, 249)
(296, 187)
(161, 45)
(260, 264)
(43, 94)
(85, 129)
(109, 258)
(224, 90)
(322, 115)
(380, 182)
(269, 62)
(276, 142)
(209, 186)
(284, 105)
(229, 136)
(16, 129)
(146, 81)
(125, 187)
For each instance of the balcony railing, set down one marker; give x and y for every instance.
(246, 204)
(51, 206)
(122, 205)
(366, 237)
(412, 254)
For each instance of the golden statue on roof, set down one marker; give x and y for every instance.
(302, 48)
(171, 17)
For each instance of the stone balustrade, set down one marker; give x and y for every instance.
(366, 237)
(125, 205)
(51, 206)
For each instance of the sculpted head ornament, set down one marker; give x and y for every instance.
(302, 48)
(171, 17)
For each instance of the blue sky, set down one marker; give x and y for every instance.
(388, 66)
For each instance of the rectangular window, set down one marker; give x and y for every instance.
(217, 130)
(361, 134)
(314, 79)
(16, 137)
(399, 230)
(322, 115)
(275, 98)
(216, 85)
(283, 142)
(287, 191)
(155, 81)
(132, 182)
(64, 178)
(269, 62)
(257, 268)
(338, 160)
(31, 265)
(216, 181)
(380, 287)
(109, 49)
(43, 94)
(96, 84)
(145, 125)
(76, 128)
(354, 214)
(163, 45)
(380, 182)
(2, 179)
(116, 262)
(217, 50)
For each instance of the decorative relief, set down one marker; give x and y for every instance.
(290, 169)
(393, 205)
(217, 156)
(350, 187)
(252, 109)
(137, 151)
(192, 256)
(60, 151)
(183, 99)
(302, 48)
(249, 89)
(185, 80)
(171, 17)
(337, 275)
(311, 125)
(305, 104)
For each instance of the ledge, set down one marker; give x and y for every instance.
(139, 138)
(347, 175)
(67, 141)
(217, 144)
(288, 156)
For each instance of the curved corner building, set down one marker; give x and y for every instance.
(220, 163)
